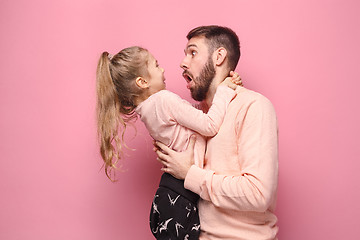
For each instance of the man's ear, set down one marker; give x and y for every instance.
(220, 56)
(141, 82)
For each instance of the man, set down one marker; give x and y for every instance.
(238, 184)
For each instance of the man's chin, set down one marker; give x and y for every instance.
(195, 95)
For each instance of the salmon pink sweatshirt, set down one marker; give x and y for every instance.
(238, 183)
(172, 120)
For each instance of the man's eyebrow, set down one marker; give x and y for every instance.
(191, 45)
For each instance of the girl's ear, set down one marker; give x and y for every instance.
(220, 56)
(141, 82)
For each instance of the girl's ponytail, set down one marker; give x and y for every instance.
(116, 93)
(108, 115)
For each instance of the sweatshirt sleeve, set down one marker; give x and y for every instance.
(207, 124)
(254, 188)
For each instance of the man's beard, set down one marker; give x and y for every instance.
(203, 81)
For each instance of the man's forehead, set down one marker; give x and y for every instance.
(196, 42)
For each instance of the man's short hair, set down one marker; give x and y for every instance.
(218, 36)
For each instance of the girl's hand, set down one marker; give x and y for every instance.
(176, 163)
(233, 81)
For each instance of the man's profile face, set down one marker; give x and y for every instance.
(198, 68)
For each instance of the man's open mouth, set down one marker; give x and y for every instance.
(187, 77)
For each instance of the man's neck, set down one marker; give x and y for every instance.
(219, 78)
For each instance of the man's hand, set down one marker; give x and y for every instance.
(176, 163)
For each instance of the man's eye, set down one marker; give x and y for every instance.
(193, 53)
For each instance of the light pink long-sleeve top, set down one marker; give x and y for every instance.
(172, 120)
(238, 184)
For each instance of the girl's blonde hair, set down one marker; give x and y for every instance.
(116, 94)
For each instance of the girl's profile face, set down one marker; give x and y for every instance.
(156, 79)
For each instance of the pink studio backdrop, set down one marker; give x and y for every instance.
(302, 55)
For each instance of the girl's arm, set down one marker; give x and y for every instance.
(207, 124)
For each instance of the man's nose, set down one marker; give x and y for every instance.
(184, 64)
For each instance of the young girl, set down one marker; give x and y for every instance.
(132, 83)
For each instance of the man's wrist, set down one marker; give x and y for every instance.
(193, 178)
(187, 171)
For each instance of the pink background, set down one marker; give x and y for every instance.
(302, 55)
